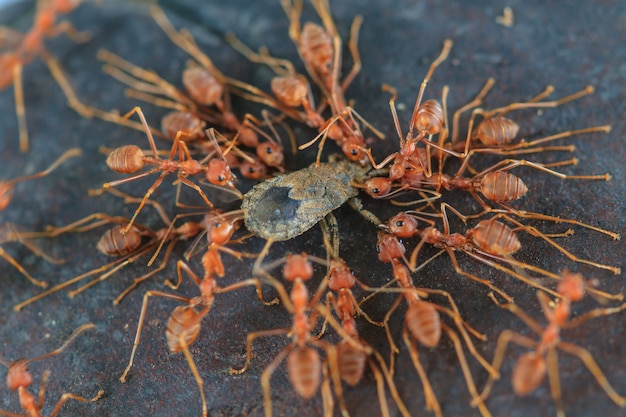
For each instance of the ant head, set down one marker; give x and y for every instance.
(353, 149)
(271, 154)
(403, 225)
(220, 230)
(297, 266)
(219, 173)
(18, 375)
(571, 286)
(389, 247)
(377, 187)
(340, 276)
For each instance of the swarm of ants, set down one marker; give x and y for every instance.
(228, 209)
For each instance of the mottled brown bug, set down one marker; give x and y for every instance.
(288, 205)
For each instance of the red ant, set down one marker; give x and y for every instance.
(350, 360)
(28, 46)
(427, 119)
(19, 379)
(6, 194)
(126, 246)
(489, 240)
(423, 323)
(130, 158)
(531, 368)
(183, 325)
(304, 365)
(320, 51)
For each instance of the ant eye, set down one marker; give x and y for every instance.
(376, 190)
(399, 223)
(269, 149)
(221, 178)
(354, 152)
(377, 249)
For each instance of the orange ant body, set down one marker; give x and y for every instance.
(129, 159)
(183, 326)
(19, 379)
(30, 45)
(423, 323)
(351, 361)
(6, 194)
(126, 246)
(304, 365)
(531, 367)
(489, 240)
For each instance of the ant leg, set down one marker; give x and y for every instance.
(194, 371)
(485, 282)
(67, 283)
(265, 379)
(585, 356)
(541, 104)
(392, 386)
(249, 339)
(20, 108)
(432, 403)
(354, 51)
(471, 387)
(68, 396)
(445, 51)
(506, 337)
(533, 231)
(477, 101)
(129, 260)
(598, 312)
(21, 269)
(142, 316)
(554, 381)
(392, 345)
(147, 276)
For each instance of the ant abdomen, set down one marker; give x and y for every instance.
(203, 87)
(182, 328)
(126, 159)
(497, 131)
(305, 371)
(424, 323)
(501, 186)
(529, 371)
(115, 242)
(495, 238)
(351, 362)
(316, 46)
(191, 126)
(429, 117)
(290, 89)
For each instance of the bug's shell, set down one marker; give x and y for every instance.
(288, 205)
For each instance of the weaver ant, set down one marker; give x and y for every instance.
(423, 323)
(23, 48)
(183, 325)
(488, 241)
(428, 119)
(19, 379)
(6, 194)
(129, 159)
(304, 365)
(128, 246)
(350, 360)
(531, 367)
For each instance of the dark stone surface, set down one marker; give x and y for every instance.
(568, 44)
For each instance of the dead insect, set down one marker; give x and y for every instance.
(288, 205)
